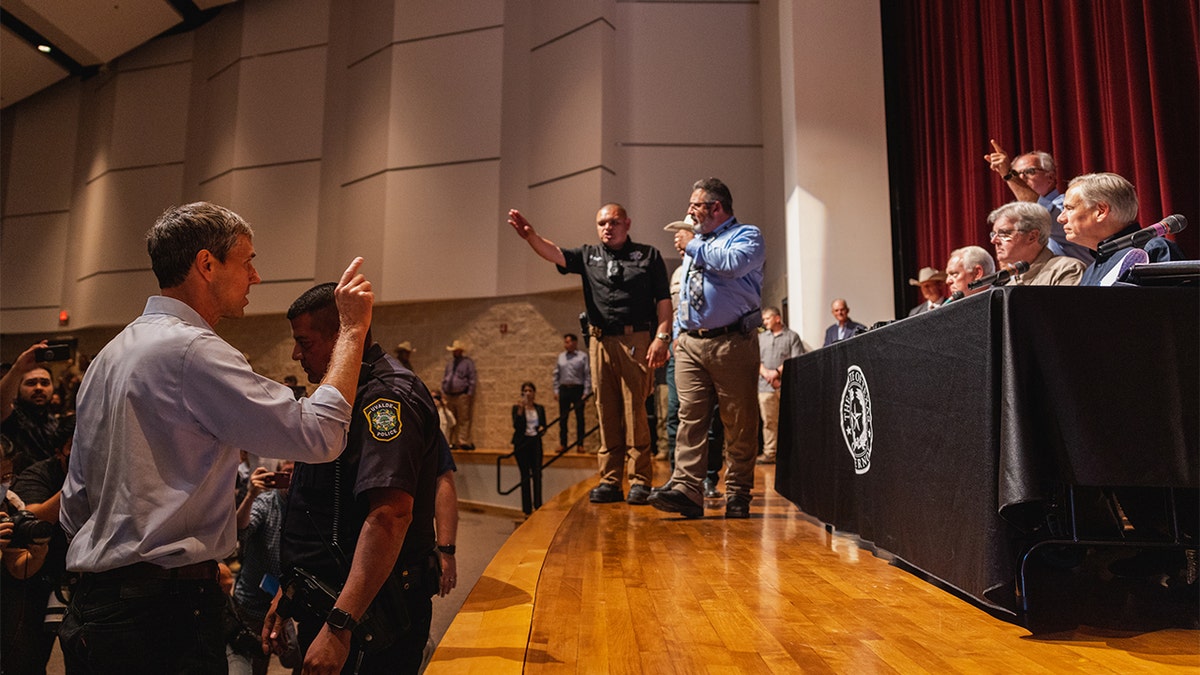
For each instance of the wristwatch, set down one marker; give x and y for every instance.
(341, 620)
(1010, 175)
(448, 549)
(665, 337)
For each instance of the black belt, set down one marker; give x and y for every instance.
(715, 332)
(201, 571)
(612, 329)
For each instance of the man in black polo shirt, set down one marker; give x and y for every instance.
(362, 524)
(629, 309)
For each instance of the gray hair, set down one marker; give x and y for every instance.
(1111, 189)
(1042, 159)
(1025, 217)
(975, 255)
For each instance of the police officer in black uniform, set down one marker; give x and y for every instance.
(358, 546)
(628, 301)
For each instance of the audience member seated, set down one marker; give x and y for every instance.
(1100, 207)
(965, 265)
(1020, 232)
(845, 326)
(933, 290)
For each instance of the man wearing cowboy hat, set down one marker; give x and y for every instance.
(404, 352)
(458, 388)
(933, 289)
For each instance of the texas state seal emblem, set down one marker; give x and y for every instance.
(856, 419)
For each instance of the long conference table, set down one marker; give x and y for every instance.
(942, 438)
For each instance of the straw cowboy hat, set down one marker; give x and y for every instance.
(685, 224)
(927, 274)
(456, 346)
(405, 346)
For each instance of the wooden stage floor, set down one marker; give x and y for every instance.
(612, 588)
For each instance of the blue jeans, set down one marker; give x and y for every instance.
(145, 626)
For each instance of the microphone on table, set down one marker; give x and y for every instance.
(1000, 276)
(1168, 225)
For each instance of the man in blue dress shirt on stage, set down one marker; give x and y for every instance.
(716, 351)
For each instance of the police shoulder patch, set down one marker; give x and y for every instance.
(383, 419)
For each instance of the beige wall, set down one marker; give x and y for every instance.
(404, 131)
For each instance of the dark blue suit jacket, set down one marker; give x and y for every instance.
(831, 333)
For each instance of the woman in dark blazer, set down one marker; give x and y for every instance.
(529, 422)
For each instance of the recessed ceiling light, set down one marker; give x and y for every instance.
(45, 49)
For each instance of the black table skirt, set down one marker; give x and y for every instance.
(980, 410)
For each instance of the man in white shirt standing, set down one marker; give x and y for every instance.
(162, 414)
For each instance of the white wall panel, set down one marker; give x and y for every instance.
(34, 249)
(553, 18)
(42, 153)
(279, 25)
(214, 135)
(364, 212)
(280, 203)
(150, 116)
(100, 99)
(280, 107)
(566, 112)
(218, 43)
(425, 18)
(684, 88)
(112, 299)
(445, 100)
(564, 212)
(439, 238)
(839, 230)
(367, 106)
(113, 213)
(371, 27)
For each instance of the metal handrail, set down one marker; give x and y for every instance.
(554, 458)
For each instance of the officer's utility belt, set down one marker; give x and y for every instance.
(611, 330)
(308, 598)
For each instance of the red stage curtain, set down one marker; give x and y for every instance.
(1103, 85)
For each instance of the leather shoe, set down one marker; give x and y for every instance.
(674, 501)
(738, 506)
(638, 495)
(606, 493)
(766, 460)
(710, 489)
(665, 486)
(468, 446)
